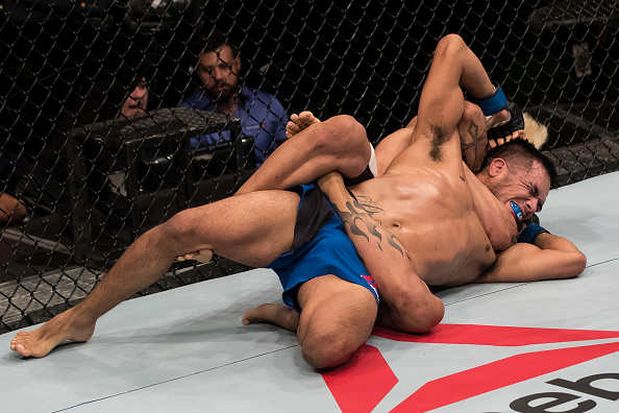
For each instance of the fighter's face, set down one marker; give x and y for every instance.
(218, 70)
(528, 187)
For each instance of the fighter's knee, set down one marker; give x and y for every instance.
(181, 227)
(343, 133)
(327, 348)
(350, 127)
(346, 144)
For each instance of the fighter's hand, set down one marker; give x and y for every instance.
(507, 128)
(203, 255)
(493, 143)
(299, 122)
(473, 129)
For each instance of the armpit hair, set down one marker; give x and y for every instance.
(439, 137)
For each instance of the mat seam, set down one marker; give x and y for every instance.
(195, 373)
(111, 396)
(488, 293)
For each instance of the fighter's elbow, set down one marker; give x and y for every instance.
(451, 43)
(578, 263)
(572, 264)
(431, 317)
(420, 316)
(449, 49)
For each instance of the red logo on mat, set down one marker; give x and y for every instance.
(363, 382)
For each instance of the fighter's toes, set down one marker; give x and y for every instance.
(307, 118)
(21, 344)
(250, 317)
(262, 313)
(299, 122)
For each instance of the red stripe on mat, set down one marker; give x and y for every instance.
(496, 335)
(360, 384)
(501, 373)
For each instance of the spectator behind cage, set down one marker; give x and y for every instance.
(262, 115)
(136, 104)
(35, 179)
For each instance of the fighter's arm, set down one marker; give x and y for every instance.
(473, 127)
(550, 257)
(441, 108)
(407, 303)
(454, 68)
(474, 143)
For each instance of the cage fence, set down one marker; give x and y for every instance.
(88, 178)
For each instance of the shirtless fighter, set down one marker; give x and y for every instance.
(420, 221)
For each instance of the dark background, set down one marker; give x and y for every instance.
(67, 63)
(367, 58)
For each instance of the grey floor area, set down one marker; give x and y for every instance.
(185, 350)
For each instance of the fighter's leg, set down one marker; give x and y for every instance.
(337, 144)
(252, 229)
(336, 319)
(297, 123)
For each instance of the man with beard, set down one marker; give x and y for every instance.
(262, 115)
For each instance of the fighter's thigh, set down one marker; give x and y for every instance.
(337, 316)
(253, 228)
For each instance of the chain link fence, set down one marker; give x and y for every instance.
(80, 179)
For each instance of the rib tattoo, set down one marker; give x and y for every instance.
(359, 216)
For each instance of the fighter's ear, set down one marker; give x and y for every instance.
(497, 167)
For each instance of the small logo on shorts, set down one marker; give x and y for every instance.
(371, 282)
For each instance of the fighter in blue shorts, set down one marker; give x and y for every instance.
(320, 247)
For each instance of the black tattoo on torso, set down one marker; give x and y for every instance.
(360, 217)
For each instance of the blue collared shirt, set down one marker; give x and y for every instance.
(262, 117)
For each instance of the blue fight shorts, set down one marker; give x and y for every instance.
(327, 250)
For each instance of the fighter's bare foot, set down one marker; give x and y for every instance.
(203, 255)
(277, 314)
(299, 122)
(65, 327)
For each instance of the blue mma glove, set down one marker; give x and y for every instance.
(530, 232)
(495, 103)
